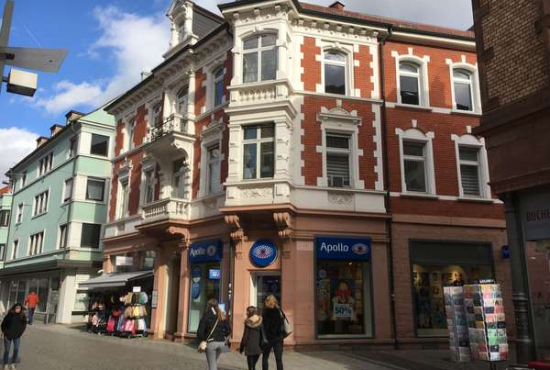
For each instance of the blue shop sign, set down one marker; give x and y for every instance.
(263, 253)
(343, 248)
(207, 251)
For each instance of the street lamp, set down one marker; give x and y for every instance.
(45, 60)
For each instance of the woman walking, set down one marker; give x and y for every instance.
(252, 340)
(212, 333)
(273, 328)
(13, 327)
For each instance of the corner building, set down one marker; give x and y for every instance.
(277, 149)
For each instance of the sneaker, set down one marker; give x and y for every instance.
(12, 367)
(7, 367)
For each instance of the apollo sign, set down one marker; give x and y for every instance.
(343, 248)
(208, 251)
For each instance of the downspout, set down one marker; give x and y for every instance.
(387, 199)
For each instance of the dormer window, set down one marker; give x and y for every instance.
(260, 58)
(335, 72)
(182, 100)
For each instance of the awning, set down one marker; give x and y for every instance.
(114, 280)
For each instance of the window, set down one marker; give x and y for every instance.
(470, 171)
(100, 145)
(95, 189)
(24, 179)
(63, 235)
(414, 160)
(260, 58)
(41, 203)
(259, 151)
(335, 72)
(36, 244)
(338, 160)
(73, 147)
(19, 218)
(4, 218)
(214, 185)
(45, 164)
(179, 185)
(90, 236)
(130, 128)
(122, 199)
(218, 86)
(182, 100)
(2, 252)
(68, 190)
(463, 89)
(409, 81)
(156, 120)
(15, 249)
(149, 186)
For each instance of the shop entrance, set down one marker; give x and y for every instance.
(264, 284)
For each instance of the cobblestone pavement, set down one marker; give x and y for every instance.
(57, 347)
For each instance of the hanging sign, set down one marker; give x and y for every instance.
(343, 248)
(124, 261)
(136, 289)
(207, 251)
(263, 253)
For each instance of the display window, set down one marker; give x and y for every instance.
(343, 288)
(439, 264)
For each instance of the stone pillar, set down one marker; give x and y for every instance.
(183, 303)
(524, 342)
(158, 322)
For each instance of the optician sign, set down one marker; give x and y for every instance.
(263, 253)
(207, 251)
(343, 248)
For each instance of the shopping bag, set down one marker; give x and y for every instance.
(111, 325)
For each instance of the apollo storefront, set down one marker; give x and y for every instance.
(343, 287)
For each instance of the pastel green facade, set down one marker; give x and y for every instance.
(5, 206)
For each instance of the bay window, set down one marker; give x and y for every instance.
(95, 189)
(260, 58)
(259, 151)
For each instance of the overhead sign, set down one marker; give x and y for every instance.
(343, 248)
(535, 214)
(124, 261)
(207, 251)
(263, 253)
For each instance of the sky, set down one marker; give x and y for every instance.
(111, 42)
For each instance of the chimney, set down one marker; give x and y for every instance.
(145, 74)
(337, 5)
(55, 129)
(73, 115)
(41, 140)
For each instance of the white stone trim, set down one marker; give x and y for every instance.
(479, 143)
(476, 94)
(422, 62)
(377, 139)
(349, 51)
(210, 136)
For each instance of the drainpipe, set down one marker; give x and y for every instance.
(387, 200)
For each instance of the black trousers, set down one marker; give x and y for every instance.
(278, 350)
(252, 361)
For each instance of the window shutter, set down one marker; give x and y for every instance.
(470, 180)
(338, 170)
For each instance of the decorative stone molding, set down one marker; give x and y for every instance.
(284, 222)
(340, 197)
(237, 234)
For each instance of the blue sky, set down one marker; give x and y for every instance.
(111, 42)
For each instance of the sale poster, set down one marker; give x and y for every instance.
(343, 301)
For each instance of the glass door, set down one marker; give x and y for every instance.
(264, 284)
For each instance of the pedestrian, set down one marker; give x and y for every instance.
(273, 328)
(13, 327)
(213, 332)
(31, 302)
(253, 338)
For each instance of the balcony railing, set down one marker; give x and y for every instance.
(165, 209)
(260, 92)
(175, 123)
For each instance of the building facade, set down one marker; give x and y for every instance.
(59, 202)
(317, 154)
(5, 210)
(515, 82)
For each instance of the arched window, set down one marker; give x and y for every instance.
(409, 81)
(335, 72)
(260, 58)
(218, 86)
(182, 100)
(463, 89)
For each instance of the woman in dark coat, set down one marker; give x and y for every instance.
(13, 327)
(251, 344)
(214, 329)
(273, 329)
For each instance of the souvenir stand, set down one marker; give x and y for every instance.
(456, 323)
(131, 323)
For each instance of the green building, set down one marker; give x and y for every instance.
(5, 209)
(58, 208)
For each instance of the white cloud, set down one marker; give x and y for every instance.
(15, 144)
(134, 43)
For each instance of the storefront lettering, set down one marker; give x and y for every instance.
(343, 248)
(339, 247)
(538, 215)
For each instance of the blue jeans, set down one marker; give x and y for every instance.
(7, 345)
(31, 314)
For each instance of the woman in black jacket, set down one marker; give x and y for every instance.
(13, 327)
(252, 340)
(214, 329)
(273, 328)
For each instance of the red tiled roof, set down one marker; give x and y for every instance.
(5, 190)
(395, 22)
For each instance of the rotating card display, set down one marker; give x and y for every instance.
(457, 324)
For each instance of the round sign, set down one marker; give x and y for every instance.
(195, 290)
(263, 253)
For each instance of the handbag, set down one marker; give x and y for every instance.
(287, 329)
(202, 345)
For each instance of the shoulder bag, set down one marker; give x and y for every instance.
(286, 328)
(202, 345)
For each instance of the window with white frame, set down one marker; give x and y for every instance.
(260, 58)
(415, 166)
(122, 198)
(463, 86)
(130, 129)
(36, 244)
(68, 195)
(63, 236)
(41, 203)
(156, 116)
(45, 164)
(91, 236)
(470, 171)
(179, 179)
(95, 188)
(73, 147)
(213, 175)
(23, 179)
(15, 249)
(99, 145)
(259, 151)
(19, 217)
(410, 83)
(149, 195)
(335, 72)
(182, 100)
(4, 218)
(218, 86)
(338, 153)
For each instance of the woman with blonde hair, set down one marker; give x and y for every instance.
(213, 331)
(273, 328)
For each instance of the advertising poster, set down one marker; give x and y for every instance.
(343, 301)
(457, 324)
